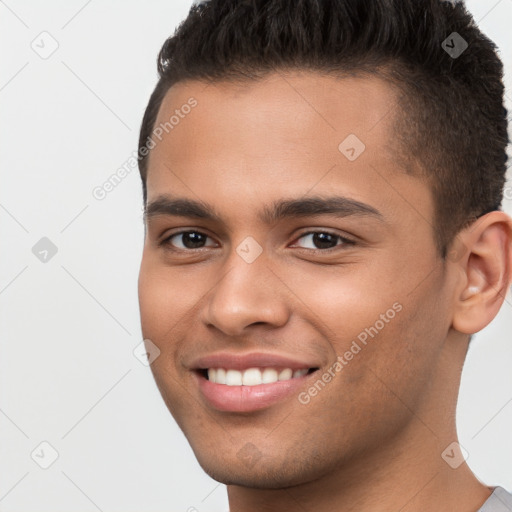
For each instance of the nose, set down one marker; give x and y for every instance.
(248, 294)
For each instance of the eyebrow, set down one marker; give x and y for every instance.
(338, 206)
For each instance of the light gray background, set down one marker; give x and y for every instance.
(68, 326)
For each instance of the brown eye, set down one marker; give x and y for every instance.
(324, 240)
(186, 240)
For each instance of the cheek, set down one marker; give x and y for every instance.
(168, 302)
(163, 306)
(382, 334)
(343, 301)
(165, 298)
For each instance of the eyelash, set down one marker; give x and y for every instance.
(166, 242)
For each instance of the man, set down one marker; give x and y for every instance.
(322, 186)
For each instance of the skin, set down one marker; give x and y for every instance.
(372, 438)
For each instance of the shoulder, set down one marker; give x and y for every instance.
(499, 501)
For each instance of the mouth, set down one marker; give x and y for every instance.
(251, 389)
(252, 376)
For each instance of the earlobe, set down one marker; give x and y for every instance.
(487, 272)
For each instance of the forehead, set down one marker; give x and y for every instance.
(298, 107)
(284, 135)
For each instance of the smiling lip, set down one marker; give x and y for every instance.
(248, 398)
(253, 360)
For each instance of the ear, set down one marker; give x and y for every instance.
(484, 260)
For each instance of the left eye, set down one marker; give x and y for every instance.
(325, 240)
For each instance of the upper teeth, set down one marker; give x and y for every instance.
(252, 376)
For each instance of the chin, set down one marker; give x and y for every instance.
(264, 473)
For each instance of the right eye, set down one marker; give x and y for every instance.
(188, 240)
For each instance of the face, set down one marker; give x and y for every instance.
(312, 251)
